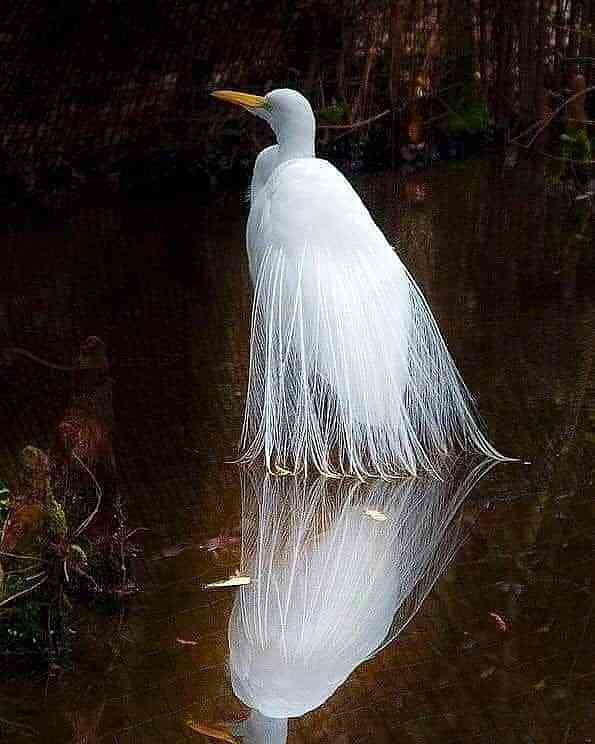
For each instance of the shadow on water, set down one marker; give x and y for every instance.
(502, 648)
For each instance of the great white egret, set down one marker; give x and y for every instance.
(348, 370)
(338, 568)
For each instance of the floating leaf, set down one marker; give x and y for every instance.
(174, 550)
(221, 733)
(500, 622)
(376, 515)
(232, 581)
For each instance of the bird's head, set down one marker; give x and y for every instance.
(287, 112)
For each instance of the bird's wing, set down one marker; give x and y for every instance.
(333, 292)
(345, 353)
(308, 201)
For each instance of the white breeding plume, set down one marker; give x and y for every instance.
(348, 370)
(338, 568)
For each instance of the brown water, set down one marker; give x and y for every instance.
(507, 265)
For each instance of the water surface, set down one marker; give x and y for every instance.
(506, 263)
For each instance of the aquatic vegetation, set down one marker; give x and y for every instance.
(64, 534)
(576, 145)
(49, 556)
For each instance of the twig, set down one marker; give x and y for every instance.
(28, 590)
(565, 160)
(18, 571)
(4, 554)
(89, 519)
(541, 126)
(39, 360)
(35, 576)
(357, 124)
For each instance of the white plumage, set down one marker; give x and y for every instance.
(332, 583)
(348, 370)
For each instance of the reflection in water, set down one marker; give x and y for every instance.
(338, 570)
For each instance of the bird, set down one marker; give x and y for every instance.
(349, 374)
(338, 569)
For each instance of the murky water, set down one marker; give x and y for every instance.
(502, 649)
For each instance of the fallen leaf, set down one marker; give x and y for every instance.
(186, 643)
(540, 685)
(376, 515)
(175, 550)
(500, 622)
(214, 732)
(232, 581)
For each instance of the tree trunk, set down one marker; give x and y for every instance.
(541, 100)
(525, 109)
(395, 77)
(374, 38)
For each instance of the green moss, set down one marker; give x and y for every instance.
(576, 145)
(470, 118)
(56, 521)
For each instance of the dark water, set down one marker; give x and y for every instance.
(507, 264)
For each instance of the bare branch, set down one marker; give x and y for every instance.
(4, 554)
(28, 590)
(83, 526)
(541, 125)
(356, 125)
(566, 160)
(24, 353)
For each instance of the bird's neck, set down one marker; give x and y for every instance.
(296, 141)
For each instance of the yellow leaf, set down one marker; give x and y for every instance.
(232, 581)
(221, 733)
(376, 515)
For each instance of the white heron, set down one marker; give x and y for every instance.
(348, 370)
(338, 569)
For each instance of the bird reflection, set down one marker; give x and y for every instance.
(337, 570)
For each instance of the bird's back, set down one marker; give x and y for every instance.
(311, 240)
(308, 201)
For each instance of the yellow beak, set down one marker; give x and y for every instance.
(240, 99)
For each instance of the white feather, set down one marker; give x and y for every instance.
(333, 587)
(348, 370)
